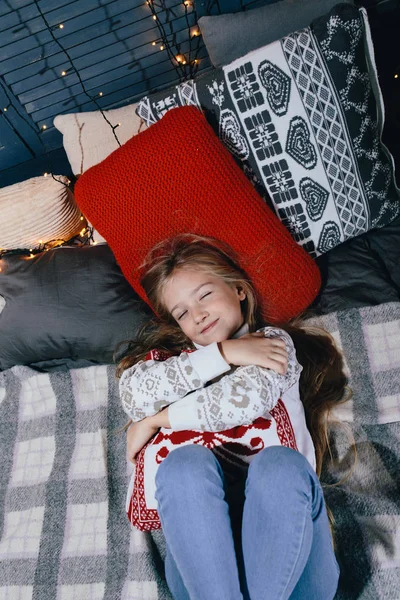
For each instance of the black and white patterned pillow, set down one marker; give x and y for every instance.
(304, 118)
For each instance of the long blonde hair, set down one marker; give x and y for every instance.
(323, 383)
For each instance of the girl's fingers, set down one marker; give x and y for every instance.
(277, 363)
(279, 352)
(277, 342)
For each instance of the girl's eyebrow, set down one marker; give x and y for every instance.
(192, 293)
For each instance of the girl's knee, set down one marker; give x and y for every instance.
(184, 461)
(281, 456)
(279, 463)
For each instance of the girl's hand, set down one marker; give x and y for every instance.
(256, 349)
(138, 435)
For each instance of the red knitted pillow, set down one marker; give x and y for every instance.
(178, 177)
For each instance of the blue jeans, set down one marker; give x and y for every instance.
(266, 538)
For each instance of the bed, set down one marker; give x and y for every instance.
(66, 301)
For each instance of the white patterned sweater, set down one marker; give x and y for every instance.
(236, 395)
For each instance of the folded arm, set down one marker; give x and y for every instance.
(236, 399)
(149, 386)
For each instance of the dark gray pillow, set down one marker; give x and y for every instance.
(362, 272)
(230, 36)
(68, 307)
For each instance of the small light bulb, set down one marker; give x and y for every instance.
(45, 174)
(100, 93)
(81, 218)
(154, 44)
(396, 76)
(5, 109)
(44, 127)
(154, 17)
(179, 58)
(195, 61)
(184, 62)
(161, 47)
(63, 73)
(61, 26)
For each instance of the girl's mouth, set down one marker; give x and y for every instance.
(209, 327)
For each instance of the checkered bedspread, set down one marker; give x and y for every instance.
(64, 533)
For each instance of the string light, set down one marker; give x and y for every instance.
(5, 109)
(100, 93)
(61, 26)
(154, 17)
(45, 174)
(86, 234)
(161, 47)
(154, 44)
(396, 76)
(63, 73)
(44, 127)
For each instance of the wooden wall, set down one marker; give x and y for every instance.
(109, 43)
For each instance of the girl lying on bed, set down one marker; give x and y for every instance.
(233, 532)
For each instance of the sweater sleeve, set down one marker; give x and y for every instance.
(150, 385)
(237, 398)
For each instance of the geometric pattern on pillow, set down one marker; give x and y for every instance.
(304, 116)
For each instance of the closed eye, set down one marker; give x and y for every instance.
(205, 295)
(182, 315)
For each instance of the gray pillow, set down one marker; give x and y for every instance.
(68, 307)
(231, 36)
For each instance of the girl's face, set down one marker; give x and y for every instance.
(206, 308)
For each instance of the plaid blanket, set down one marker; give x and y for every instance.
(64, 532)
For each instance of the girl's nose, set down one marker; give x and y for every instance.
(200, 315)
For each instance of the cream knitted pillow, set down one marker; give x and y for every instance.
(88, 138)
(37, 211)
